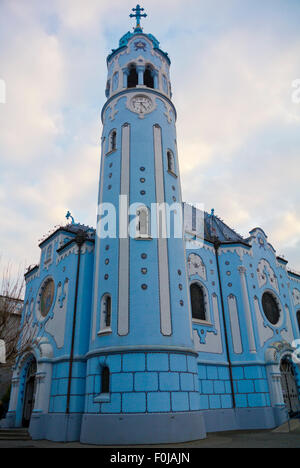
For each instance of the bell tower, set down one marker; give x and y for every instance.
(142, 381)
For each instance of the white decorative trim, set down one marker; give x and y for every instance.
(235, 324)
(240, 251)
(252, 346)
(296, 296)
(32, 277)
(196, 266)
(73, 249)
(163, 263)
(124, 269)
(265, 332)
(266, 273)
(287, 333)
(56, 325)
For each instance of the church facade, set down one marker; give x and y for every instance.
(145, 336)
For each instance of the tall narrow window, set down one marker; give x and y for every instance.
(107, 90)
(106, 314)
(112, 142)
(105, 380)
(143, 222)
(198, 302)
(133, 78)
(171, 162)
(194, 218)
(149, 78)
(298, 318)
(48, 253)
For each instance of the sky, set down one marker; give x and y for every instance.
(236, 87)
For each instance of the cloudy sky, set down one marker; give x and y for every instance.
(234, 64)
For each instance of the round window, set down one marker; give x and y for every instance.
(271, 308)
(47, 296)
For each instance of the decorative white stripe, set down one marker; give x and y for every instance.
(124, 271)
(248, 317)
(163, 261)
(235, 325)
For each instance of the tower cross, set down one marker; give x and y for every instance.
(138, 15)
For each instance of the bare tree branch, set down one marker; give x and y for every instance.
(18, 335)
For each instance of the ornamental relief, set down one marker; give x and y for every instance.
(296, 296)
(266, 273)
(196, 266)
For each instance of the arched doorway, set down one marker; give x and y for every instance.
(289, 386)
(29, 393)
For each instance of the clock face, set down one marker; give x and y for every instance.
(141, 104)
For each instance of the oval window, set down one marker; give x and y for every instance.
(271, 308)
(47, 296)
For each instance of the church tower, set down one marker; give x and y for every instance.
(142, 382)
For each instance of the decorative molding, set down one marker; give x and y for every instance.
(296, 297)
(240, 251)
(266, 273)
(235, 324)
(196, 266)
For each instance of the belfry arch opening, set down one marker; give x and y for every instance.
(148, 77)
(298, 319)
(133, 78)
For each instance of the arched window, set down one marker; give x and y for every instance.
(112, 142)
(271, 308)
(105, 380)
(133, 78)
(171, 161)
(107, 90)
(149, 78)
(198, 302)
(143, 222)
(165, 84)
(115, 81)
(48, 253)
(298, 319)
(106, 312)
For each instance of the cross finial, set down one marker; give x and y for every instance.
(138, 15)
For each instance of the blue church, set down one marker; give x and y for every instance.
(145, 332)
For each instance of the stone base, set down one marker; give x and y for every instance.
(137, 429)
(55, 427)
(241, 419)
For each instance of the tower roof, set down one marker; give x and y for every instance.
(137, 30)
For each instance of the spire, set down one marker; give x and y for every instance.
(138, 15)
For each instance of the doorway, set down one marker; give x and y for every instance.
(289, 386)
(29, 393)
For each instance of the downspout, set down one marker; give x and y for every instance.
(80, 239)
(217, 244)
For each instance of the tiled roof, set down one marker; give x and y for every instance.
(209, 226)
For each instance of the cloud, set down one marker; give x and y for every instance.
(32, 64)
(233, 65)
